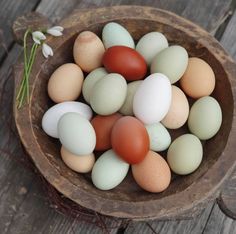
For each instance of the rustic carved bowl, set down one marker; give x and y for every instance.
(187, 194)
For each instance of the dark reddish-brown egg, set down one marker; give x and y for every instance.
(125, 61)
(130, 140)
(103, 126)
(153, 173)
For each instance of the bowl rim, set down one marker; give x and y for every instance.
(169, 206)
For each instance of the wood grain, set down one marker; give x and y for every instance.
(56, 9)
(9, 10)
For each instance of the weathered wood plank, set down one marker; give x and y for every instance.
(26, 218)
(218, 223)
(227, 200)
(168, 227)
(9, 10)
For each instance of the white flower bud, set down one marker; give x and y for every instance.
(47, 50)
(38, 36)
(55, 31)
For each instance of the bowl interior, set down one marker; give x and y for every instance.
(128, 190)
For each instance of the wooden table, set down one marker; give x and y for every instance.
(24, 207)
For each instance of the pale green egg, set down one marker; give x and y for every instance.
(76, 134)
(91, 80)
(172, 62)
(108, 94)
(127, 107)
(114, 34)
(109, 171)
(185, 154)
(151, 44)
(205, 118)
(159, 137)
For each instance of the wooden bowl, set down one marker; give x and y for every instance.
(187, 194)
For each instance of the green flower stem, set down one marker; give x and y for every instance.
(28, 63)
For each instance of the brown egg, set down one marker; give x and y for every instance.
(103, 126)
(82, 163)
(153, 173)
(88, 51)
(179, 110)
(199, 79)
(65, 83)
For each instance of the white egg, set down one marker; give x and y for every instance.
(52, 115)
(109, 171)
(151, 44)
(114, 34)
(152, 99)
(76, 134)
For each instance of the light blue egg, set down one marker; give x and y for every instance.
(109, 171)
(114, 34)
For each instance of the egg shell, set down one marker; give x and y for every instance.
(185, 154)
(130, 140)
(205, 118)
(88, 51)
(115, 34)
(153, 173)
(76, 134)
(125, 61)
(178, 111)
(127, 107)
(199, 79)
(82, 164)
(109, 171)
(91, 80)
(103, 126)
(159, 137)
(52, 115)
(65, 83)
(150, 44)
(108, 94)
(152, 99)
(172, 62)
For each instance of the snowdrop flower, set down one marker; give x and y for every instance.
(47, 50)
(55, 31)
(38, 37)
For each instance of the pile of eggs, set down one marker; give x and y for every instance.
(131, 99)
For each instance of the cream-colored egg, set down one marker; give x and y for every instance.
(65, 83)
(82, 163)
(88, 51)
(179, 110)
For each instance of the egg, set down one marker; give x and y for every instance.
(65, 83)
(185, 154)
(153, 173)
(178, 111)
(130, 140)
(172, 62)
(125, 61)
(52, 115)
(109, 171)
(150, 44)
(76, 134)
(199, 79)
(91, 80)
(82, 164)
(115, 34)
(88, 51)
(103, 126)
(152, 99)
(108, 94)
(159, 137)
(127, 107)
(205, 118)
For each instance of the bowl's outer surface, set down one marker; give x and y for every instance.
(186, 195)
